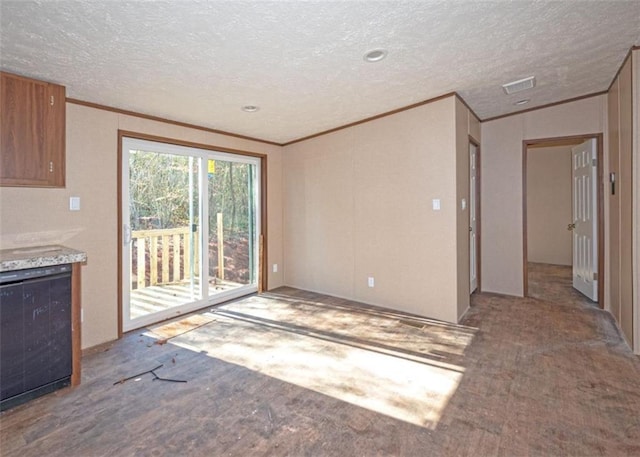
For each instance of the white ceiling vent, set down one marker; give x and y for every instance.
(520, 85)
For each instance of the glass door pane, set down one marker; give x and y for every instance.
(232, 240)
(191, 221)
(164, 249)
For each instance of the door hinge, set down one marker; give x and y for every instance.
(51, 100)
(50, 167)
(594, 162)
(595, 276)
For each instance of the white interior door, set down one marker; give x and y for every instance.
(584, 226)
(473, 246)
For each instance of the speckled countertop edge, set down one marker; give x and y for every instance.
(38, 256)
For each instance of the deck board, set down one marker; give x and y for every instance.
(161, 297)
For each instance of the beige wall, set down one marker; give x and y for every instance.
(636, 196)
(549, 205)
(613, 216)
(621, 205)
(41, 216)
(358, 203)
(501, 168)
(626, 201)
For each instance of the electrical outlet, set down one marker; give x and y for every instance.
(371, 281)
(275, 267)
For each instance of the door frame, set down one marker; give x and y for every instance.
(560, 141)
(476, 143)
(262, 237)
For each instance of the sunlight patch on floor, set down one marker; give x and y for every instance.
(356, 367)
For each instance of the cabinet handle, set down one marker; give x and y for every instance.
(50, 167)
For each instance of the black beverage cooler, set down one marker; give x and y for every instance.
(35, 333)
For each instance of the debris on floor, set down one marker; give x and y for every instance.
(153, 372)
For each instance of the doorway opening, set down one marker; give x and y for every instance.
(191, 228)
(563, 218)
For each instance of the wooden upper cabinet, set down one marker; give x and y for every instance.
(32, 131)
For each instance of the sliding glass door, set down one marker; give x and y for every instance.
(190, 229)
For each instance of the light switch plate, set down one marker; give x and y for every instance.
(436, 204)
(74, 203)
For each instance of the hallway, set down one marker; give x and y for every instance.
(553, 283)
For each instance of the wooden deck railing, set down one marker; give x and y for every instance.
(162, 256)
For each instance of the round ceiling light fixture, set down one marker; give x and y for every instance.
(375, 55)
(250, 108)
(522, 102)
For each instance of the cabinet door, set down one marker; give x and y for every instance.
(55, 137)
(11, 341)
(32, 117)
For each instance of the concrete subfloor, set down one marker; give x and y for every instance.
(294, 373)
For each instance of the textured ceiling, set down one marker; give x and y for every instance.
(302, 62)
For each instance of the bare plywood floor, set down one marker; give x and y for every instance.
(554, 283)
(297, 373)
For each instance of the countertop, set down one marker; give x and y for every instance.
(38, 256)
